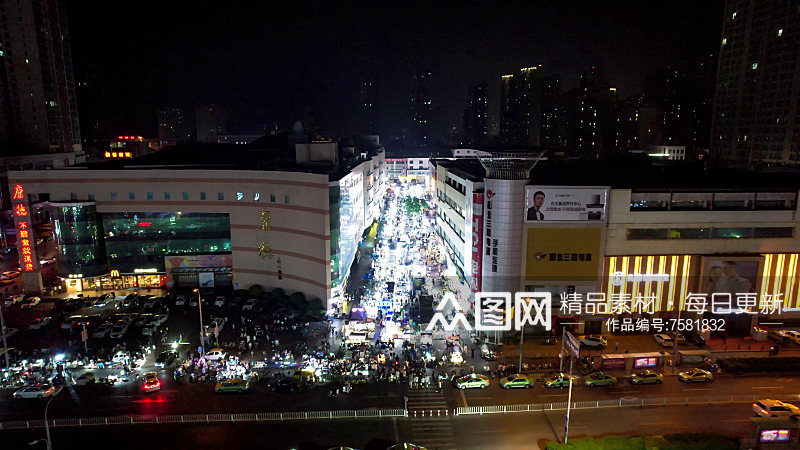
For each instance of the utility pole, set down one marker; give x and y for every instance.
(200, 310)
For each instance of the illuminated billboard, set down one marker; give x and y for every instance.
(562, 254)
(560, 204)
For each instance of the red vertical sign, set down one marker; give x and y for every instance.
(27, 256)
(477, 240)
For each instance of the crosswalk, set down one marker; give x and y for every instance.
(430, 420)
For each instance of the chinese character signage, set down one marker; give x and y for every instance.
(558, 204)
(477, 240)
(22, 219)
(566, 254)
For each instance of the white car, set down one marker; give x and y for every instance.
(8, 332)
(39, 322)
(14, 299)
(35, 391)
(593, 341)
(220, 301)
(119, 329)
(30, 303)
(663, 339)
(102, 330)
(774, 408)
(180, 301)
(157, 320)
(215, 354)
(249, 304)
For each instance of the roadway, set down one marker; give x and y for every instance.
(498, 431)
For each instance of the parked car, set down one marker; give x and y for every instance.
(794, 336)
(180, 301)
(103, 300)
(558, 380)
(473, 380)
(143, 319)
(599, 379)
(774, 408)
(249, 304)
(695, 376)
(663, 339)
(679, 337)
(694, 337)
(220, 301)
(8, 332)
(233, 385)
(39, 323)
(646, 377)
(35, 391)
(69, 322)
(156, 320)
(517, 380)
(120, 328)
(779, 336)
(165, 359)
(593, 341)
(215, 354)
(13, 299)
(102, 330)
(151, 383)
(30, 303)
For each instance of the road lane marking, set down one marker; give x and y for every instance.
(655, 423)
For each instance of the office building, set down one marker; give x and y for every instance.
(520, 108)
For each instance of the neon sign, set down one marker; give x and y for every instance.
(23, 233)
(19, 193)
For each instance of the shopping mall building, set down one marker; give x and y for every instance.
(282, 212)
(621, 229)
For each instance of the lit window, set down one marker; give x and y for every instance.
(780, 32)
(108, 154)
(733, 16)
(755, 65)
(127, 154)
(149, 195)
(132, 195)
(724, 41)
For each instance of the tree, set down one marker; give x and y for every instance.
(255, 290)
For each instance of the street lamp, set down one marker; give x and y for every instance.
(200, 310)
(47, 424)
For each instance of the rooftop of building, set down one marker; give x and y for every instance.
(271, 152)
(636, 173)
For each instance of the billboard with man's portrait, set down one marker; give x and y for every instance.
(560, 204)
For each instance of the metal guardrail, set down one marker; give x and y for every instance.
(199, 418)
(619, 403)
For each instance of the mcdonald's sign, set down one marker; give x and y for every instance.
(115, 273)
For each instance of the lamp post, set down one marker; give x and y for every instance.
(200, 310)
(46, 423)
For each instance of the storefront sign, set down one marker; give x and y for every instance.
(618, 278)
(562, 254)
(114, 273)
(477, 240)
(558, 204)
(775, 435)
(645, 362)
(22, 218)
(150, 270)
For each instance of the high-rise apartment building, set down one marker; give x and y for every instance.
(757, 95)
(422, 116)
(476, 117)
(210, 121)
(38, 106)
(174, 124)
(520, 107)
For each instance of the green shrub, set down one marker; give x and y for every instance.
(255, 290)
(278, 293)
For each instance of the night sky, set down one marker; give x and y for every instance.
(265, 62)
